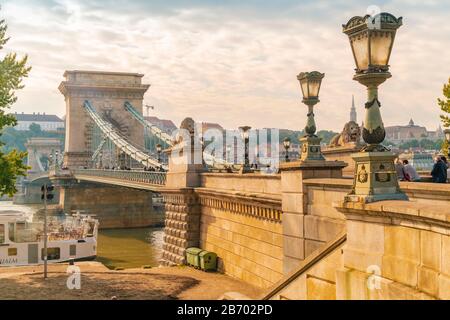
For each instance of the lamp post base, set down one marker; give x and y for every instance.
(245, 169)
(311, 148)
(375, 178)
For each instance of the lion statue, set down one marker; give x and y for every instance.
(187, 124)
(350, 133)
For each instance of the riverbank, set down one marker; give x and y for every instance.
(100, 283)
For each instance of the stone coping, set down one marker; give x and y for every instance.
(67, 72)
(248, 196)
(241, 176)
(419, 187)
(435, 214)
(318, 165)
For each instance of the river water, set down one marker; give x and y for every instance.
(118, 248)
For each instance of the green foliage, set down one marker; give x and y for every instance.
(445, 105)
(444, 147)
(12, 72)
(427, 144)
(326, 136)
(15, 139)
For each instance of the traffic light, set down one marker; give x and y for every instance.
(47, 191)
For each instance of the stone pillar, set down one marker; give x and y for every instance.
(41, 147)
(107, 92)
(181, 203)
(295, 204)
(114, 207)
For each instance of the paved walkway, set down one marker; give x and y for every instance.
(100, 283)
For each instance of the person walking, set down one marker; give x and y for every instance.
(439, 172)
(409, 172)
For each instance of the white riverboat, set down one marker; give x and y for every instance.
(69, 238)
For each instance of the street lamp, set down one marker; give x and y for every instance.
(310, 83)
(447, 137)
(245, 134)
(159, 150)
(371, 40)
(287, 146)
(101, 159)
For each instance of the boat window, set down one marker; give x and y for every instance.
(52, 254)
(12, 252)
(22, 232)
(73, 250)
(2, 233)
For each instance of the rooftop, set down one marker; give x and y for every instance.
(38, 117)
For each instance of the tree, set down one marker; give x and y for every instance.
(12, 72)
(35, 129)
(445, 107)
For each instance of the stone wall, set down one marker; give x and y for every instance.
(406, 244)
(246, 234)
(115, 207)
(393, 249)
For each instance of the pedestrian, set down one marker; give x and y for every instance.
(409, 172)
(400, 170)
(447, 164)
(439, 172)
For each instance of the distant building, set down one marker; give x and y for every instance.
(47, 122)
(166, 126)
(399, 134)
(353, 114)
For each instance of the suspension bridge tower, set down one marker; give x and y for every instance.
(107, 92)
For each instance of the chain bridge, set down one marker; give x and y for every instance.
(288, 232)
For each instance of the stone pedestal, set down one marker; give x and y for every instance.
(182, 224)
(311, 149)
(343, 153)
(375, 178)
(295, 204)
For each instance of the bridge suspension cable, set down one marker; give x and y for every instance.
(209, 158)
(121, 142)
(153, 129)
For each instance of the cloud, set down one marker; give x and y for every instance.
(234, 63)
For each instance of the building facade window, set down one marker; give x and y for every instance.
(2, 233)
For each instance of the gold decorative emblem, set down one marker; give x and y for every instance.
(362, 175)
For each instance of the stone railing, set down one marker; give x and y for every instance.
(148, 177)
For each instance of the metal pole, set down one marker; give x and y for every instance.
(45, 232)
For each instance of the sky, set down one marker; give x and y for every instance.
(232, 62)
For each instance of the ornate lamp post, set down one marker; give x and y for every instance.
(159, 150)
(371, 40)
(447, 137)
(100, 155)
(287, 146)
(245, 134)
(50, 159)
(310, 83)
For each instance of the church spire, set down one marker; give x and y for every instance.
(353, 115)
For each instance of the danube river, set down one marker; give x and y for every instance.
(118, 248)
